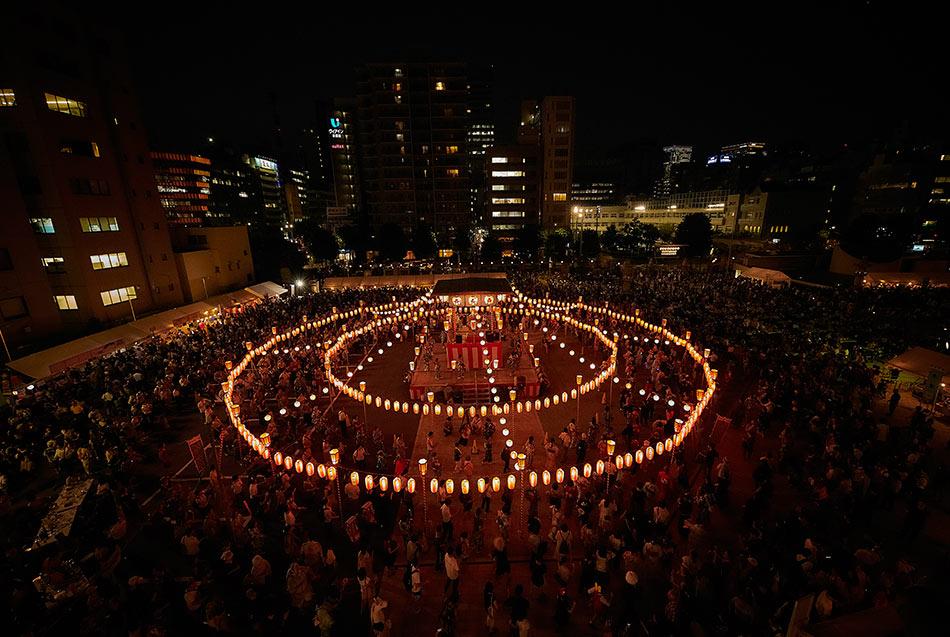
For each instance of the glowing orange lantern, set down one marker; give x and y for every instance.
(496, 484)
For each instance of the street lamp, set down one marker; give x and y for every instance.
(425, 514)
(335, 459)
(363, 400)
(579, 380)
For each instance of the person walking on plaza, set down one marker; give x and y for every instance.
(451, 571)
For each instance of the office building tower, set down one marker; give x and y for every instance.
(412, 130)
(345, 205)
(513, 190)
(744, 149)
(557, 152)
(267, 184)
(183, 183)
(85, 238)
(676, 156)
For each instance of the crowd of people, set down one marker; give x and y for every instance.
(668, 549)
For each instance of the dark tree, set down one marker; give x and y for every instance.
(491, 249)
(591, 243)
(462, 243)
(424, 244)
(557, 243)
(695, 232)
(321, 243)
(392, 242)
(271, 252)
(877, 238)
(528, 242)
(354, 240)
(610, 240)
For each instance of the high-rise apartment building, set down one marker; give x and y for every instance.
(481, 133)
(184, 187)
(413, 124)
(85, 237)
(557, 148)
(675, 156)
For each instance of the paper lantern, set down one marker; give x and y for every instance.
(628, 459)
(298, 466)
(449, 486)
(433, 485)
(639, 456)
(465, 486)
(496, 484)
(668, 444)
(481, 485)
(278, 458)
(355, 478)
(533, 479)
(659, 448)
(331, 473)
(415, 408)
(600, 467)
(423, 466)
(397, 484)
(335, 456)
(557, 399)
(649, 453)
(411, 485)
(310, 468)
(587, 469)
(574, 474)
(511, 481)
(559, 476)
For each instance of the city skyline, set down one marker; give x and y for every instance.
(824, 79)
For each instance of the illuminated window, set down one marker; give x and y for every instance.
(507, 173)
(42, 225)
(86, 149)
(560, 196)
(507, 200)
(397, 72)
(7, 97)
(66, 302)
(99, 224)
(451, 150)
(452, 172)
(118, 295)
(507, 213)
(499, 160)
(65, 105)
(440, 86)
(107, 261)
(54, 265)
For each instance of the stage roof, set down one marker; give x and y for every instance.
(471, 284)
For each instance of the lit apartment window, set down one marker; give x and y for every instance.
(452, 172)
(119, 295)
(65, 105)
(54, 265)
(86, 149)
(499, 160)
(7, 97)
(99, 224)
(560, 196)
(66, 302)
(440, 86)
(507, 200)
(107, 261)
(451, 150)
(42, 225)
(507, 213)
(507, 173)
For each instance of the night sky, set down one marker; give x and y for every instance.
(789, 76)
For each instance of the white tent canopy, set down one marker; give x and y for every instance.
(772, 277)
(266, 289)
(919, 361)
